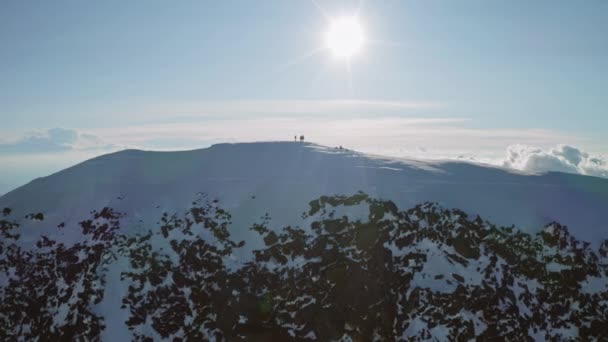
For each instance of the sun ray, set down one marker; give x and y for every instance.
(316, 77)
(388, 43)
(300, 59)
(320, 9)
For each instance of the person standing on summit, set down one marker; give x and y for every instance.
(301, 138)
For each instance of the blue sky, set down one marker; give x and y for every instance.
(189, 73)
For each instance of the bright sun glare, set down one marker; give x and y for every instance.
(345, 37)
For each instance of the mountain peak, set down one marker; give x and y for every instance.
(287, 174)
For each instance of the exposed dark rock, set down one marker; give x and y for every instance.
(420, 274)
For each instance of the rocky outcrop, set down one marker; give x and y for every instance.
(426, 273)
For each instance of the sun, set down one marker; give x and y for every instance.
(345, 37)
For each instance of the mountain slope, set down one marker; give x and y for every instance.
(280, 241)
(285, 176)
(426, 273)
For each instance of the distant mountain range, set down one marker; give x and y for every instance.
(295, 241)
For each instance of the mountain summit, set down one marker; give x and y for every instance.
(281, 177)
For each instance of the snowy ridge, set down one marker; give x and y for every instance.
(281, 177)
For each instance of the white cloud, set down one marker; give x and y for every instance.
(563, 158)
(42, 152)
(53, 140)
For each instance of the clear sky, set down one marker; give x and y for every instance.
(451, 77)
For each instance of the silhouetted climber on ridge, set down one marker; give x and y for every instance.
(301, 138)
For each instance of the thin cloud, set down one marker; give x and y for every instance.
(323, 131)
(53, 140)
(243, 109)
(393, 136)
(299, 106)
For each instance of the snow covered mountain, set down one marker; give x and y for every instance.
(279, 241)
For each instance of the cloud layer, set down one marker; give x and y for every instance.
(247, 109)
(563, 158)
(42, 152)
(53, 140)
